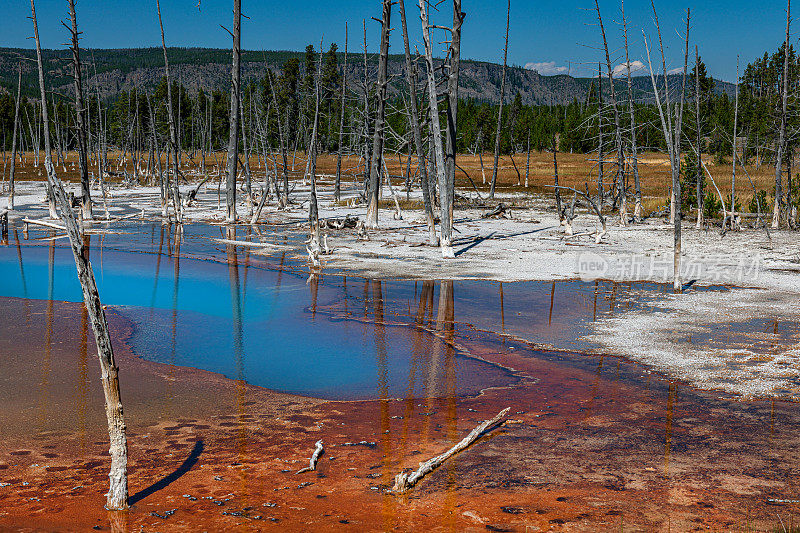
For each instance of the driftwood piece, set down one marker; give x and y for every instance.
(499, 211)
(44, 223)
(405, 481)
(312, 463)
(4, 224)
(347, 222)
(190, 196)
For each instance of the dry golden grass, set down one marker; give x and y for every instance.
(575, 170)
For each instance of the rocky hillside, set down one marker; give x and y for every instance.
(113, 70)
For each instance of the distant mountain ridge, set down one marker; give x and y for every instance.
(113, 70)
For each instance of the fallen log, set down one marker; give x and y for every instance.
(43, 223)
(347, 222)
(190, 196)
(499, 211)
(405, 481)
(4, 224)
(312, 463)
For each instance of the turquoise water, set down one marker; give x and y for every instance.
(263, 326)
(198, 302)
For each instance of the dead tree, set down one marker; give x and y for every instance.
(365, 125)
(500, 108)
(314, 246)
(735, 133)
(117, 497)
(671, 127)
(782, 132)
(14, 140)
(637, 209)
(699, 177)
(620, 175)
(447, 193)
(80, 110)
(282, 144)
(376, 165)
(555, 180)
(174, 192)
(337, 187)
(436, 132)
(601, 156)
(233, 134)
(411, 74)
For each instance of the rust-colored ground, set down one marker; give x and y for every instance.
(575, 170)
(592, 443)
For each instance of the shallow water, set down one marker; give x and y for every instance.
(244, 316)
(593, 434)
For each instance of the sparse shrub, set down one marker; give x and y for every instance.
(712, 207)
(759, 198)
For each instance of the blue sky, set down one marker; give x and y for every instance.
(555, 36)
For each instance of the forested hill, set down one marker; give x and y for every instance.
(113, 70)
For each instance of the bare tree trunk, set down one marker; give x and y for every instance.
(282, 141)
(117, 497)
(699, 179)
(735, 133)
(620, 175)
(14, 141)
(601, 156)
(676, 167)
(233, 134)
(86, 200)
(313, 211)
(366, 139)
(246, 153)
(782, 133)
(528, 160)
(555, 180)
(436, 132)
(374, 193)
(411, 74)
(176, 197)
(672, 136)
(337, 187)
(637, 209)
(447, 193)
(500, 110)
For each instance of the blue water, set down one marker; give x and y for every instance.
(266, 327)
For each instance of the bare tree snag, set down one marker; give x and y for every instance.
(80, 114)
(411, 74)
(14, 140)
(447, 193)
(637, 209)
(312, 463)
(735, 133)
(672, 136)
(117, 497)
(174, 192)
(233, 134)
(699, 179)
(620, 174)
(433, 106)
(776, 213)
(500, 110)
(555, 180)
(314, 247)
(374, 192)
(282, 141)
(405, 481)
(337, 187)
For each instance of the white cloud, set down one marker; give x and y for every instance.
(546, 68)
(678, 70)
(622, 68)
